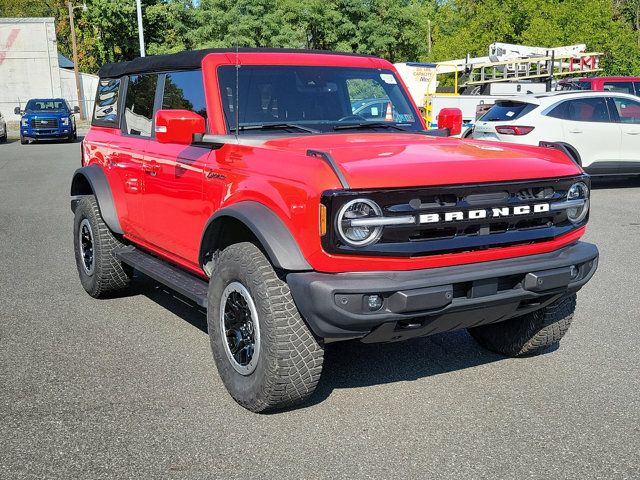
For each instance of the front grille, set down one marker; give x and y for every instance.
(44, 123)
(496, 229)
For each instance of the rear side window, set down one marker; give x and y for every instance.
(619, 87)
(637, 86)
(138, 108)
(184, 91)
(105, 112)
(507, 111)
(628, 110)
(592, 109)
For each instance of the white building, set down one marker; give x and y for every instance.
(30, 66)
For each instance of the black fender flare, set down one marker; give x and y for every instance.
(92, 180)
(567, 149)
(274, 236)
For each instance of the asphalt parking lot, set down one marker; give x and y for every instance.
(126, 387)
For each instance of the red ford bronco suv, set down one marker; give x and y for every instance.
(245, 182)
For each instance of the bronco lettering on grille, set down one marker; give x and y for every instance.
(457, 216)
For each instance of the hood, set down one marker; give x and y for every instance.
(387, 160)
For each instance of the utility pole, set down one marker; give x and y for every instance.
(75, 56)
(140, 28)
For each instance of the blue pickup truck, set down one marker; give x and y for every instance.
(47, 118)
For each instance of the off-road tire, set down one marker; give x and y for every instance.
(529, 334)
(109, 274)
(290, 358)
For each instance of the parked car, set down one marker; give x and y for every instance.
(600, 130)
(3, 129)
(629, 85)
(257, 193)
(47, 118)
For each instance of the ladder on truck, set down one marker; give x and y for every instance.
(532, 68)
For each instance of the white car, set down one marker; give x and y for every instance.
(601, 130)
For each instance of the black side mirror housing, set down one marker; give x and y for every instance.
(17, 111)
(76, 109)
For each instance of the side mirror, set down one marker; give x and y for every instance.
(178, 126)
(17, 111)
(451, 118)
(76, 109)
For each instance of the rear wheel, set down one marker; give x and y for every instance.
(94, 244)
(529, 334)
(266, 355)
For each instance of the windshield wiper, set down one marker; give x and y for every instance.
(370, 125)
(277, 126)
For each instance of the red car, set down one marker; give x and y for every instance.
(246, 182)
(602, 84)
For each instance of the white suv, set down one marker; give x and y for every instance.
(601, 130)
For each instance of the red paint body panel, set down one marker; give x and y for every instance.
(166, 192)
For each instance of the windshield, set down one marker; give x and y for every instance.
(318, 98)
(38, 105)
(575, 85)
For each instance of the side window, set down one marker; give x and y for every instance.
(637, 85)
(559, 111)
(105, 112)
(184, 91)
(138, 108)
(618, 87)
(628, 110)
(592, 109)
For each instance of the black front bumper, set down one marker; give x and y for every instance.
(424, 302)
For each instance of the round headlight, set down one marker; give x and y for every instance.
(354, 233)
(578, 191)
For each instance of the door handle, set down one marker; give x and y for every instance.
(575, 131)
(151, 168)
(633, 132)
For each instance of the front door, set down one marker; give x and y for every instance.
(175, 212)
(628, 113)
(590, 129)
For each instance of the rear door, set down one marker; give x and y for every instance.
(627, 112)
(590, 129)
(174, 212)
(126, 155)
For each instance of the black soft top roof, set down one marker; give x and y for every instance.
(189, 60)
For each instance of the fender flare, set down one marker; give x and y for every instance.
(99, 186)
(566, 148)
(274, 236)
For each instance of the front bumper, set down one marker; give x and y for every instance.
(424, 302)
(46, 133)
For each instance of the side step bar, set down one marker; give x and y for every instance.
(173, 277)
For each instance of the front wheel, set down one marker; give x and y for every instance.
(529, 334)
(265, 353)
(23, 141)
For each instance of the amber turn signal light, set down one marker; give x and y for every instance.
(323, 220)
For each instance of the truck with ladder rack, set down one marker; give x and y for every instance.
(477, 82)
